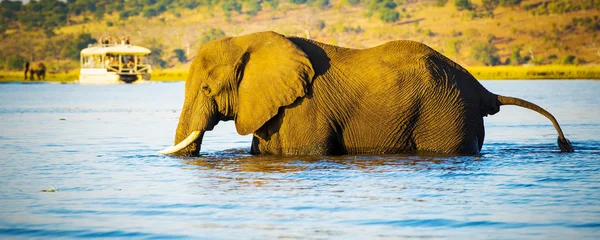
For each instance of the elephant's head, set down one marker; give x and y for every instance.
(246, 79)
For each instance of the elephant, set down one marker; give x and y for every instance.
(302, 97)
(37, 68)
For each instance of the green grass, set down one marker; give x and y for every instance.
(481, 73)
(536, 72)
(10, 76)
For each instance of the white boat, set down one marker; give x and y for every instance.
(114, 63)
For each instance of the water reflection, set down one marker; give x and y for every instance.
(239, 160)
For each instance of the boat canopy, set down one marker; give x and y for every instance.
(121, 49)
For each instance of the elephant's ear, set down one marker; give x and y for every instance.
(274, 73)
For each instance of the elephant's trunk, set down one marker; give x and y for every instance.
(198, 116)
(563, 143)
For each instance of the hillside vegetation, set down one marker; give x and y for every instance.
(471, 32)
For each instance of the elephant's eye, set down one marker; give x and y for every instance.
(205, 89)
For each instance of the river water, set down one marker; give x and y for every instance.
(80, 161)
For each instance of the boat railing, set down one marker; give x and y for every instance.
(108, 45)
(140, 68)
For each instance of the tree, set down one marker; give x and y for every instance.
(484, 52)
(190, 4)
(509, 3)
(73, 48)
(230, 5)
(389, 15)
(489, 6)
(15, 62)
(180, 55)
(386, 9)
(150, 12)
(515, 56)
(463, 5)
(212, 34)
(253, 7)
(298, 1)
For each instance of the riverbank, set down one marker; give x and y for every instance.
(481, 73)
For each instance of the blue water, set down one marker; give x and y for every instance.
(97, 145)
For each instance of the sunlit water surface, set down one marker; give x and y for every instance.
(97, 146)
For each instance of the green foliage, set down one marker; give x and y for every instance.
(389, 15)
(509, 3)
(353, 2)
(229, 6)
(386, 9)
(190, 4)
(43, 14)
(298, 1)
(253, 7)
(148, 13)
(560, 6)
(320, 25)
(515, 56)
(74, 46)
(272, 3)
(12, 62)
(568, 60)
(588, 24)
(463, 5)
(452, 47)
(441, 3)
(211, 34)
(484, 52)
(489, 6)
(340, 28)
(321, 4)
(180, 55)
(156, 51)
(427, 32)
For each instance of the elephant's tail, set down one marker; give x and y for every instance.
(563, 143)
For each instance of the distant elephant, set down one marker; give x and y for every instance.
(37, 68)
(302, 97)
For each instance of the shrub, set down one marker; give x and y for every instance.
(568, 60)
(463, 5)
(484, 52)
(508, 3)
(298, 1)
(320, 25)
(212, 34)
(150, 12)
(515, 56)
(180, 55)
(389, 15)
(453, 46)
(253, 7)
(15, 62)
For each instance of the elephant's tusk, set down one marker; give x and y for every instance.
(186, 142)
